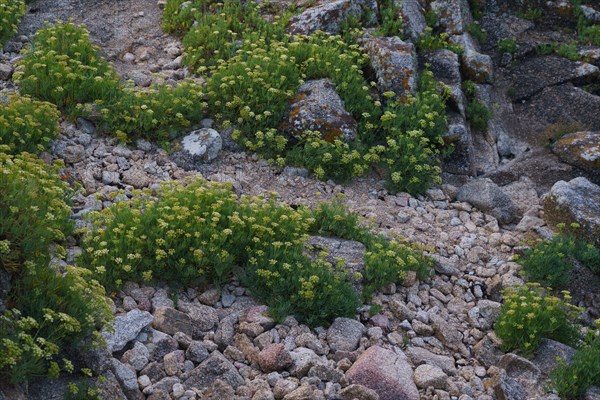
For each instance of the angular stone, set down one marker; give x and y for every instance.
(507, 388)
(170, 321)
(128, 380)
(204, 318)
(198, 147)
(136, 177)
(213, 368)
(350, 251)
(575, 201)
(394, 63)
(274, 358)
(259, 315)
(173, 362)
(137, 357)
(328, 16)
(550, 351)
(580, 149)
(126, 328)
(413, 17)
(419, 355)
(454, 15)
(429, 375)
(344, 334)
(303, 359)
(387, 373)
(358, 392)
(196, 352)
(317, 107)
(488, 197)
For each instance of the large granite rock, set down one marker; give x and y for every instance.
(490, 198)
(387, 373)
(197, 147)
(318, 107)
(213, 368)
(126, 328)
(394, 63)
(454, 15)
(329, 16)
(413, 17)
(581, 149)
(576, 201)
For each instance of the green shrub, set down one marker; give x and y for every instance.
(508, 46)
(64, 68)
(478, 115)
(431, 42)
(531, 14)
(390, 21)
(568, 51)
(11, 12)
(529, 314)
(33, 210)
(478, 32)
(551, 261)
(573, 380)
(27, 125)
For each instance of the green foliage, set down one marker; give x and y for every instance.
(573, 380)
(545, 49)
(477, 8)
(11, 12)
(531, 14)
(431, 42)
(551, 261)
(390, 20)
(477, 112)
(568, 51)
(27, 125)
(63, 67)
(529, 314)
(508, 46)
(33, 210)
(588, 32)
(478, 32)
(204, 233)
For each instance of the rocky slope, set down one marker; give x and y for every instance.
(431, 339)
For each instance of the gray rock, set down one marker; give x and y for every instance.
(199, 146)
(387, 373)
(303, 359)
(128, 380)
(136, 177)
(344, 334)
(575, 201)
(358, 392)
(126, 328)
(444, 266)
(137, 357)
(547, 355)
(196, 352)
(213, 368)
(110, 177)
(328, 16)
(487, 350)
(274, 358)
(6, 71)
(170, 321)
(533, 75)
(591, 14)
(454, 15)
(507, 388)
(204, 318)
(488, 197)
(419, 355)
(394, 63)
(413, 17)
(580, 149)
(519, 368)
(593, 393)
(110, 387)
(73, 154)
(318, 107)
(430, 376)
(226, 331)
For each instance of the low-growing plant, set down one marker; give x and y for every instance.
(531, 14)
(477, 31)
(478, 114)
(390, 19)
(529, 314)
(568, 51)
(11, 12)
(34, 211)
(477, 8)
(509, 46)
(551, 261)
(544, 49)
(573, 380)
(431, 42)
(27, 125)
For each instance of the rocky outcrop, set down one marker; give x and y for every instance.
(580, 149)
(318, 107)
(489, 197)
(328, 16)
(576, 201)
(394, 62)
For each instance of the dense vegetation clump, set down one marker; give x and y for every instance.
(551, 261)
(27, 125)
(11, 12)
(254, 68)
(530, 314)
(51, 309)
(572, 380)
(203, 233)
(65, 68)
